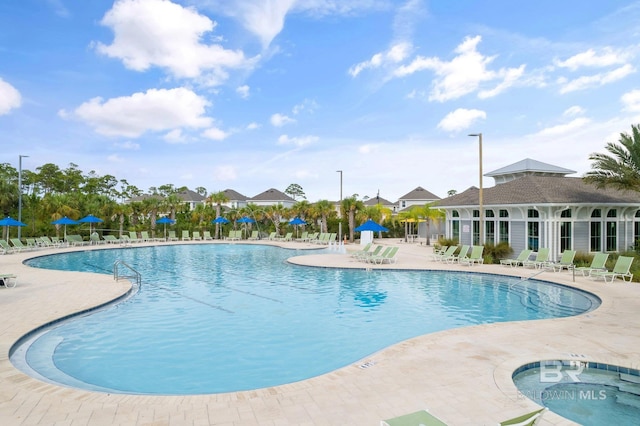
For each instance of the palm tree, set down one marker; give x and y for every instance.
(621, 169)
(276, 213)
(351, 206)
(323, 209)
(429, 214)
(218, 198)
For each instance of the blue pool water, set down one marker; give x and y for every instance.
(587, 393)
(219, 318)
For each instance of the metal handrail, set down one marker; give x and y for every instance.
(117, 276)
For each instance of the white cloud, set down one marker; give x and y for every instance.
(297, 141)
(164, 34)
(461, 119)
(463, 74)
(9, 97)
(595, 80)
(253, 126)
(128, 145)
(631, 101)
(154, 110)
(115, 158)
(590, 58)
(573, 111)
(396, 54)
(224, 173)
(308, 105)
(563, 129)
(175, 136)
(279, 120)
(59, 8)
(243, 91)
(215, 134)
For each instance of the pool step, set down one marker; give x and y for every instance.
(630, 378)
(629, 399)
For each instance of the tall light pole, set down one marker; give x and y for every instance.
(340, 210)
(480, 200)
(20, 157)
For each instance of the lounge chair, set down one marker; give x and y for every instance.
(272, 236)
(448, 252)
(48, 242)
(288, 236)
(528, 419)
(94, 238)
(18, 246)
(172, 236)
(185, 236)
(522, 257)
(8, 280)
(32, 243)
(207, 236)
(196, 236)
(474, 257)
(133, 237)
(620, 269)
(386, 257)
(254, 235)
(5, 247)
(566, 261)
(76, 240)
(375, 252)
(303, 237)
(111, 239)
(414, 419)
(597, 264)
(455, 257)
(542, 257)
(363, 251)
(58, 242)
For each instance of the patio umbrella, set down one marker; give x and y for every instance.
(245, 220)
(164, 220)
(296, 222)
(9, 221)
(370, 225)
(90, 219)
(219, 221)
(65, 221)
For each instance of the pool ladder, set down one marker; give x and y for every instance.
(132, 273)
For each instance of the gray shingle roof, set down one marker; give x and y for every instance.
(542, 190)
(419, 194)
(375, 200)
(272, 195)
(530, 166)
(234, 195)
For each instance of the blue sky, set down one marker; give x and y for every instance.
(251, 95)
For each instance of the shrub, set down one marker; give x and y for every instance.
(493, 253)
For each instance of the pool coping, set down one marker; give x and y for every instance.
(479, 360)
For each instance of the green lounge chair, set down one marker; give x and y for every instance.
(5, 247)
(388, 257)
(474, 257)
(94, 238)
(172, 236)
(528, 419)
(363, 251)
(32, 244)
(18, 246)
(254, 235)
(448, 252)
(620, 269)
(455, 257)
(272, 236)
(303, 236)
(566, 261)
(414, 419)
(370, 259)
(366, 255)
(542, 257)
(133, 237)
(8, 280)
(207, 235)
(111, 239)
(522, 257)
(288, 236)
(185, 236)
(196, 236)
(597, 264)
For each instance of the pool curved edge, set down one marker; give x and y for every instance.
(390, 387)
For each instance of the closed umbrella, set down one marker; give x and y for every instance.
(65, 221)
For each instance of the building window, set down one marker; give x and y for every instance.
(503, 235)
(533, 230)
(636, 232)
(595, 239)
(566, 213)
(504, 213)
(490, 227)
(476, 232)
(455, 230)
(455, 213)
(565, 236)
(611, 240)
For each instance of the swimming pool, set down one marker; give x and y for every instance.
(588, 393)
(213, 318)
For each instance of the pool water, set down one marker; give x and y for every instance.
(587, 393)
(212, 318)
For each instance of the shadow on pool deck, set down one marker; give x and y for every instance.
(462, 376)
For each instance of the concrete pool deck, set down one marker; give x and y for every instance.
(462, 376)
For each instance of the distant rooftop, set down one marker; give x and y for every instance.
(419, 194)
(527, 167)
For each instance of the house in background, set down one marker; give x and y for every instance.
(188, 197)
(418, 196)
(535, 205)
(272, 197)
(236, 199)
(369, 202)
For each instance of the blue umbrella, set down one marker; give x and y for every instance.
(90, 219)
(297, 221)
(370, 225)
(9, 221)
(164, 220)
(65, 221)
(245, 219)
(220, 220)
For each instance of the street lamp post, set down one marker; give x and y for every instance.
(480, 200)
(340, 210)
(20, 157)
